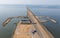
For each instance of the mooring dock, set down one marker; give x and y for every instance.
(33, 29)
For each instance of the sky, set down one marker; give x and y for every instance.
(31, 2)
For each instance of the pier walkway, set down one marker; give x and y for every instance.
(34, 29)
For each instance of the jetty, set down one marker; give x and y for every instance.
(52, 20)
(6, 21)
(32, 28)
(43, 21)
(10, 18)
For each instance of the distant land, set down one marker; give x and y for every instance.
(47, 6)
(42, 6)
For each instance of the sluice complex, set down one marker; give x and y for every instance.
(31, 27)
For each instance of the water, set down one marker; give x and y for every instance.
(53, 13)
(7, 11)
(20, 10)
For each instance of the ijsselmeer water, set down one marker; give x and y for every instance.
(7, 11)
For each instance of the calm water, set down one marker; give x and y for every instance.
(20, 10)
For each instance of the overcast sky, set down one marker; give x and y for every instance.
(33, 2)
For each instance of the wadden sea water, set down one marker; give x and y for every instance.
(53, 13)
(7, 11)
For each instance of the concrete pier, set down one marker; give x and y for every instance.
(54, 21)
(49, 19)
(43, 21)
(25, 30)
(10, 18)
(42, 31)
(7, 21)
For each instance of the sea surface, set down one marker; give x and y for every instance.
(7, 11)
